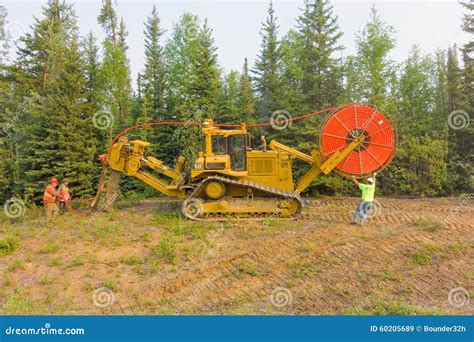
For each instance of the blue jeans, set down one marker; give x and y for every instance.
(363, 206)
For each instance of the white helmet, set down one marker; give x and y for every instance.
(370, 180)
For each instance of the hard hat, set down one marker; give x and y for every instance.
(54, 180)
(370, 180)
(65, 180)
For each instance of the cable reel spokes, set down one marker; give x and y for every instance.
(343, 126)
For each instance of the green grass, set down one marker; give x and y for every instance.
(163, 219)
(46, 280)
(77, 261)
(18, 303)
(50, 248)
(108, 229)
(166, 248)
(459, 247)
(193, 250)
(8, 245)
(146, 237)
(89, 287)
(55, 262)
(17, 264)
(391, 307)
(7, 280)
(273, 223)
(423, 255)
(131, 260)
(111, 285)
(428, 225)
(248, 268)
(300, 268)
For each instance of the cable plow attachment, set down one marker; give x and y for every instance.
(230, 178)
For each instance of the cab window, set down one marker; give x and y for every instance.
(237, 147)
(219, 144)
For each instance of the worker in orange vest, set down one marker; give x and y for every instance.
(49, 200)
(64, 195)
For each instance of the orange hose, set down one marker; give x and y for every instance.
(193, 123)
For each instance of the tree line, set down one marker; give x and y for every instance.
(64, 97)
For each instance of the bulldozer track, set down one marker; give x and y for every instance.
(274, 192)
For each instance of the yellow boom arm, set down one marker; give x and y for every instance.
(317, 162)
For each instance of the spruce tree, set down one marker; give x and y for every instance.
(152, 79)
(193, 80)
(230, 111)
(416, 94)
(246, 98)
(55, 139)
(267, 70)
(115, 70)
(319, 32)
(108, 20)
(369, 72)
(460, 130)
(205, 85)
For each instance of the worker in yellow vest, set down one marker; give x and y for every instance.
(365, 204)
(49, 200)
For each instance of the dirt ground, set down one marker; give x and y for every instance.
(413, 256)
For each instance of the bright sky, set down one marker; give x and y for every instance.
(236, 24)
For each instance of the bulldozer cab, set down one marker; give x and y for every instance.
(223, 149)
(235, 146)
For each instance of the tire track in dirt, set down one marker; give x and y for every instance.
(223, 282)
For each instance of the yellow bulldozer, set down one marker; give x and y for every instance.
(229, 176)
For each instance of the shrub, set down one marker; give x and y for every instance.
(8, 245)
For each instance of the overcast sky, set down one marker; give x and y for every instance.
(236, 24)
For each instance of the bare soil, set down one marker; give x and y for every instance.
(405, 260)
